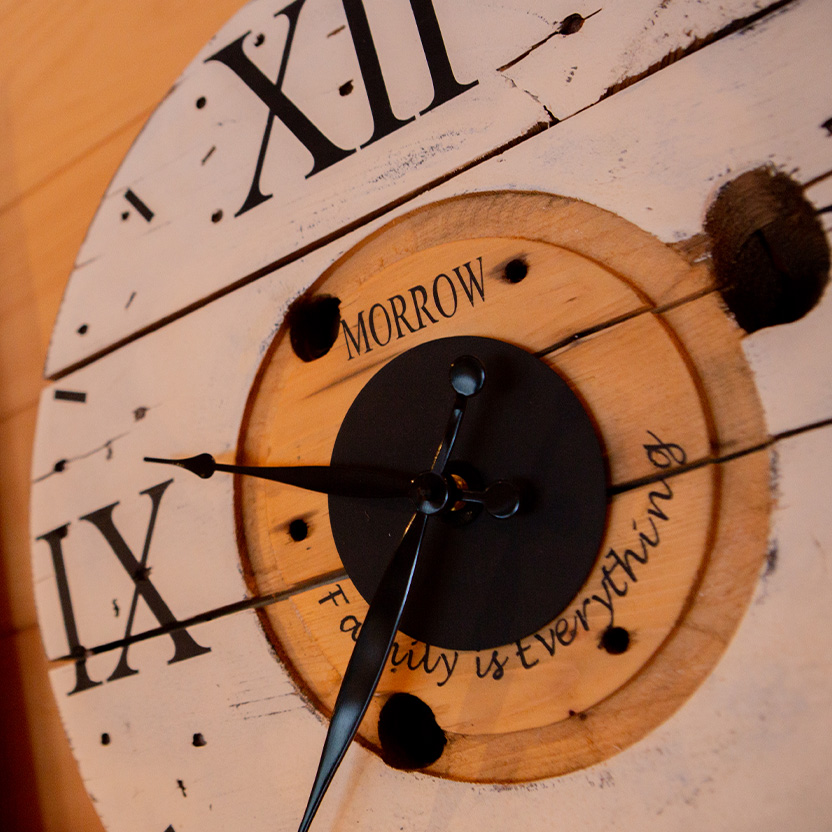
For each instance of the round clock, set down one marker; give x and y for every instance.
(396, 470)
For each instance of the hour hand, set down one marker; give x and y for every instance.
(341, 481)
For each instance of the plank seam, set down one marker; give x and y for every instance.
(671, 58)
(695, 46)
(286, 594)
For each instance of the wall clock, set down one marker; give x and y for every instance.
(335, 203)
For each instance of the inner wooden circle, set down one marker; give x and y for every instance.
(591, 303)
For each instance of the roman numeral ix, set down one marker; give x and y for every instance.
(325, 152)
(185, 647)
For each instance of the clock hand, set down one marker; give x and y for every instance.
(356, 481)
(369, 656)
(375, 638)
(467, 377)
(342, 481)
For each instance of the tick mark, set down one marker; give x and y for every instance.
(138, 205)
(82, 330)
(116, 608)
(207, 156)
(70, 395)
(199, 741)
(182, 788)
(129, 300)
(335, 31)
(200, 102)
(346, 88)
(105, 738)
(216, 216)
(139, 413)
(260, 39)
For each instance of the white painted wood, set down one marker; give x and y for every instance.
(210, 356)
(658, 152)
(178, 392)
(749, 753)
(189, 163)
(567, 73)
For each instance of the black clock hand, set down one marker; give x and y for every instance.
(467, 377)
(355, 481)
(342, 481)
(375, 638)
(501, 499)
(367, 661)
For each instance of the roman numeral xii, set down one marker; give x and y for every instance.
(324, 152)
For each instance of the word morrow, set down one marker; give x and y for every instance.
(415, 309)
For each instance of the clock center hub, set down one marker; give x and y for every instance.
(478, 585)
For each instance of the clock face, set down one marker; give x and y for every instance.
(336, 203)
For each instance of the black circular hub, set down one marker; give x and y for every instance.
(492, 580)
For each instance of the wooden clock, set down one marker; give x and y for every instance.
(494, 270)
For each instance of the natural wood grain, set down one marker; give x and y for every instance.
(76, 83)
(17, 606)
(593, 286)
(674, 673)
(65, 68)
(462, 695)
(121, 259)
(39, 238)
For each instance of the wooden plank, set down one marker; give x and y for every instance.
(682, 133)
(40, 235)
(740, 734)
(793, 789)
(17, 605)
(123, 257)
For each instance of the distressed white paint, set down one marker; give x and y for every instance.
(748, 753)
(211, 355)
(658, 152)
(750, 750)
(139, 272)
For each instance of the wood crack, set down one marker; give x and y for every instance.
(324, 580)
(410, 195)
(694, 46)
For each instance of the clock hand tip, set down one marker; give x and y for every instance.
(203, 465)
(467, 375)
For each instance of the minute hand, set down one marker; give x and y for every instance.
(340, 481)
(375, 638)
